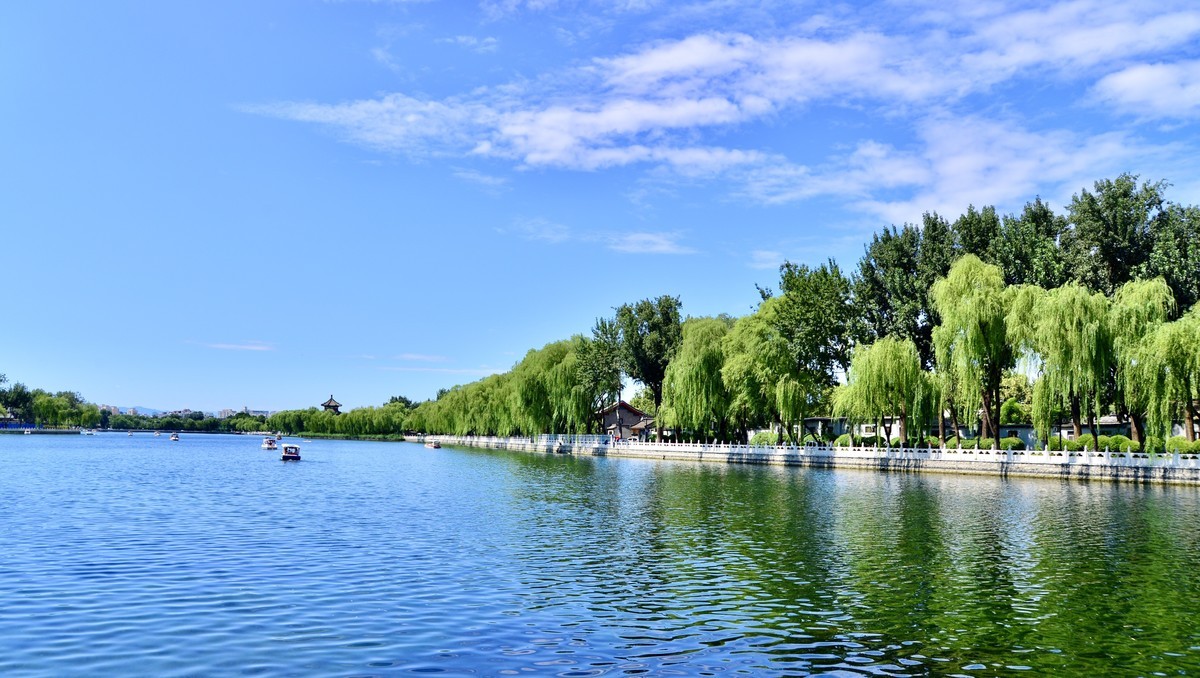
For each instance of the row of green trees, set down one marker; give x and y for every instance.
(40, 407)
(1093, 303)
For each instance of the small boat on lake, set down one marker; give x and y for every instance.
(433, 445)
(174, 436)
(290, 453)
(157, 434)
(269, 444)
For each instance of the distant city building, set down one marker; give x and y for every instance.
(259, 413)
(111, 409)
(225, 414)
(331, 405)
(132, 411)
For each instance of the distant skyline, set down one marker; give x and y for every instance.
(268, 202)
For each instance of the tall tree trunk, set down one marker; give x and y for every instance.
(997, 404)
(903, 426)
(1189, 411)
(1092, 426)
(954, 423)
(985, 428)
(941, 428)
(658, 427)
(1137, 428)
(1075, 422)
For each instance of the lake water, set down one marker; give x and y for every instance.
(139, 556)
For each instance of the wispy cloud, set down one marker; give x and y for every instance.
(674, 105)
(480, 371)
(488, 182)
(422, 357)
(645, 242)
(243, 346)
(478, 45)
(765, 259)
(1161, 90)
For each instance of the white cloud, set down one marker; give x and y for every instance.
(765, 259)
(478, 45)
(422, 357)
(480, 371)
(243, 346)
(647, 243)
(1164, 90)
(663, 103)
(489, 182)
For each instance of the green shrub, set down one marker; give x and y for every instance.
(764, 439)
(1114, 443)
(1009, 444)
(968, 443)
(1153, 445)
(1072, 446)
(1178, 445)
(844, 440)
(1087, 440)
(1104, 441)
(811, 439)
(896, 442)
(932, 442)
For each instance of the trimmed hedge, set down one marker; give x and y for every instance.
(764, 439)
(1008, 444)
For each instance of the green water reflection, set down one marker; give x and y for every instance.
(810, 570)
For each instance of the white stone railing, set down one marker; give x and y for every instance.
(783, 453)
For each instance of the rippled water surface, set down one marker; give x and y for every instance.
(139, 556)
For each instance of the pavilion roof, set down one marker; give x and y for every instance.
(331, 402)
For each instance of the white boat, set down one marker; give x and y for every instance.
(28, 432)
(174, 436)
(156, 434)
(269, 444)
(290, 453)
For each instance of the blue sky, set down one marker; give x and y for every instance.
(220, 204)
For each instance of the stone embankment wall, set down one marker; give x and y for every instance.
(1110, 466)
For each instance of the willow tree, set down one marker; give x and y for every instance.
(886, 380)
(971, 342)
(1065, 332)
(1168, 367)
(1137, 309)
(694, 395)
(756, 360)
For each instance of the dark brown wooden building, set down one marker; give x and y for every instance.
(331, 405)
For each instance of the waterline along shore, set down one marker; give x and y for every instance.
(1174, 469)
